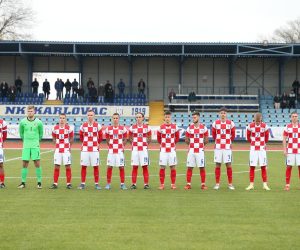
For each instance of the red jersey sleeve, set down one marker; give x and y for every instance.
(158, 137)
(213, 133)
(248, 135)
(233, 134)
(100, 136)
(267, 135)
(177, 136)
(81, 135)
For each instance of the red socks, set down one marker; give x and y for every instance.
(229, 174)
(189, 174)
(96, 174)
(264, 173)
(173, 175)
(252, 173)
(68, 174)
(162, 174)
(146, 174)
(217, 174)
(2, 177)
(122, 174)
(56, 175)
(108, 175)
(134, 174)
(288, 175)
(83, 174)
(203, 175)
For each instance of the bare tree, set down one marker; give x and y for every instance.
(290, 33)
(15, 20)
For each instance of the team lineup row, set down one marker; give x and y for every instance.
(139, 135)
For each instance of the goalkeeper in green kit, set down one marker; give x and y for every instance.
(31, 132)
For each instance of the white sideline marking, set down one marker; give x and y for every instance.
(19, 158)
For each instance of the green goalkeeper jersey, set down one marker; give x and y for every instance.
(31, 132)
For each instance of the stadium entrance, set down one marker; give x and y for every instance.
(52, 77)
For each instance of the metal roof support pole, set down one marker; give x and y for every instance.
(197, 76)
(147, 77)
(164, 77)
(230, 75)
(29, 75)
(281, 64)
(180, 83)
(297, 68)
(213, 76)
(130, 69)
(80, 66)
(263, 76)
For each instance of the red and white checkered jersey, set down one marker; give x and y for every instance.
(3, 129)
(115, 137)
(91, 136)
(139, 136)
(168, 134)
(258, 135)
(224, 132)
(196, 135)
(293, 138)
(62, 136)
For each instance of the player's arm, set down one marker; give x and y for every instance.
(187, 137)
(21, 130)
(130, 136)
(159, 137)
(4, 131)
(107, 136)
(232, 134)
(41, 130)
(213, 132)
(149, 136)
(71, 137)
(81, 134)
(125, 136)
(100, 135)
(53, 137)
(206, 140)
(267, 136)
(248, 135)
(284, 143)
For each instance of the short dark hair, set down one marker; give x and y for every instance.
(116, 114)
(196, 113)
(223, 109)
(167, 112)
(140, 113)
(294, 113)
(63, 114)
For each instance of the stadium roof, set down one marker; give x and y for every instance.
(126, 49)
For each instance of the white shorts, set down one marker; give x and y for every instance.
(116, 160)
(65, 158)
(167, 159)
(258, 158)
(2, 158)
(89, 159)
(139, 158)
(196, 160)
(223, 156)
(293, 159)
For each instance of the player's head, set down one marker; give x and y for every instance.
(91, 115)
(257, 118)
(223, 113)
(195, 116)
(168, 117)
(30, 111)
(115, 119)
(294, 117)
(62, 119)
(139, 117)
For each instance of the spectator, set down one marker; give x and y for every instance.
(62, 84)
(110, 94)
(277, 101)
(121, 87)
(192, 97)
(81, 94)
(12, 92)
(292, 99)
(68, 86)
(93, 94)
(35, 85)
(58, 87)
(296, 86)
(74, 87)
(46, 89)
(171, 95)
(18, 84)
(89, 83)
(107, 88)
(141, 86)
(284, 101)
(101, 93)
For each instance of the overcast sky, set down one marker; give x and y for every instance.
(160, 20)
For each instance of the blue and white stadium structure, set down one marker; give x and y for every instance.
(243, 77)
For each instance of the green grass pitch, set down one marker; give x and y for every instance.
(150, 219)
